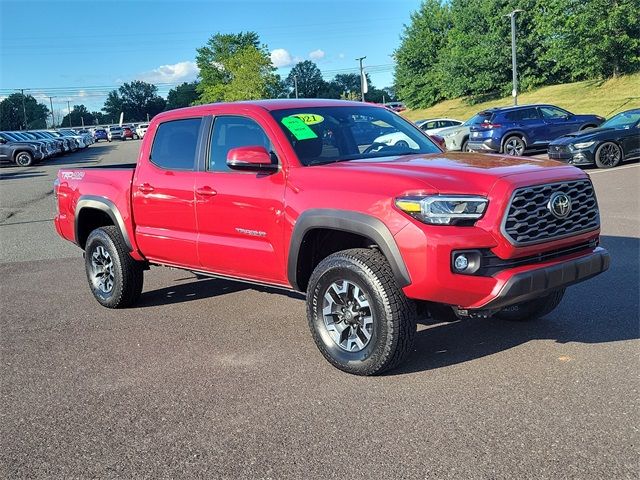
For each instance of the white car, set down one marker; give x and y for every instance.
(142, 129)
(434, 126)
(114, 133)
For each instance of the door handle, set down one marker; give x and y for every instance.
(206, 191)
(145, 188)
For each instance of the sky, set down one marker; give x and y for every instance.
(78, 51)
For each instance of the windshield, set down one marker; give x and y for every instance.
(322, 135)
(623, 120)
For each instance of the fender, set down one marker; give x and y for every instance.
(520, 133)
(346, 221)
(108, 207)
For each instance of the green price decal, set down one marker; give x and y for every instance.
(298, 128)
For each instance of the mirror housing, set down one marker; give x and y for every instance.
(253, 158)
(2, 141)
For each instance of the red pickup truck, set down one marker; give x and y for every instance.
(297, 194)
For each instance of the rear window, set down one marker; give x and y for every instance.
(174, 145)
(482, 117)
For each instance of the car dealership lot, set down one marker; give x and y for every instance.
(219, 379)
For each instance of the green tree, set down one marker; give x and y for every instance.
(418, 76)
(592, 39)
(309, 78)
(79, 116)
(248, 75)
(136, 99)
(12, 113)
(183, 95)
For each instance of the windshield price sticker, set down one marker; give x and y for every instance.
(310, 118)
(298, 127)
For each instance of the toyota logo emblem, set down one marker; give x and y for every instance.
(559, 205)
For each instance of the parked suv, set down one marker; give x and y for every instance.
(512, 130)
(22, 153)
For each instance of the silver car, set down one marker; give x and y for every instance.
(456, 138)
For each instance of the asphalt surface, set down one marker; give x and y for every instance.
(215, 379)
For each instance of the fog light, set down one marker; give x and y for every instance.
(461, 262)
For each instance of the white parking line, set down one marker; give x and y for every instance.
(614, 169)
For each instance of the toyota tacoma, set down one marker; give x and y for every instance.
(282, 193)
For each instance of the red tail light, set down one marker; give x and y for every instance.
(439, 141)
(490, 125)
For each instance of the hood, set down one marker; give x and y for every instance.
(459, 172)
(582, 136)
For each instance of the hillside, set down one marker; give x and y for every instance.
(602, 98)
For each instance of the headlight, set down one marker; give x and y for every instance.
(444, 210)
(451, 134)
(583, 144)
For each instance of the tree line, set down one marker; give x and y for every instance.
(462, 48)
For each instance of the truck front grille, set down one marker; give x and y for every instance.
(529, 218)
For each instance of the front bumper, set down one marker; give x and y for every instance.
(530, 284)
(572, 157)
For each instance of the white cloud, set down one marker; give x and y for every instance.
(341, 55)
(175, 73)
(316, 54)
(281, 58)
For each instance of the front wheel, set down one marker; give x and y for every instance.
(608, 155)
(114, 277)
(532, 309)
(359, 317)
(24, 159)
(465, 146)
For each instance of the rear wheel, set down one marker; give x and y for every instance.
(608, 155)
(514, 145)
(532, 309)
(465, 146)
(359, 317)
(114, 277)
(24, 159)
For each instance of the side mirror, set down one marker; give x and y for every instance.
(567, 116)
(2, 141)
(253, 158)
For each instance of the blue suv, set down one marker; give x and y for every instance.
(512, 130)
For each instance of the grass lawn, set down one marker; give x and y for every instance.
(603, 98)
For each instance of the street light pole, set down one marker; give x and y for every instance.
(24, 110)
(514, 62)
(53, 118)
(362, 79)
(295, 84)
(69, 110)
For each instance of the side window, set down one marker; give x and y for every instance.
(232, 132)
(552, 112)
(174, 145)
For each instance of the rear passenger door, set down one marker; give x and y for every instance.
(529, 121)
(163, 194)
(240, 214)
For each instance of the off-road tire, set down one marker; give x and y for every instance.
(24, 159)
(532, 309)
(394, 315)
(127, 272)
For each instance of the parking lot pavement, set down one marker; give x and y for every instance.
(216, 379)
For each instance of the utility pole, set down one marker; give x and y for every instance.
(295, 84)
(147, 118)
(24, 110)
(53, 118)
(514, 63)
(362, 78)
(69, 109)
